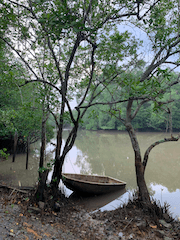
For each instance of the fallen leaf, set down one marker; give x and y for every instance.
(47, 234)
(26, 237)
(12, 230)
(25, 224)
(139, 232)
(153, 226)
(33, 232)
(143, 234)
(20, 214)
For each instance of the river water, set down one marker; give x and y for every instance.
(110, 153)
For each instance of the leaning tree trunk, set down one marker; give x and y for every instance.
(42, 174)
(59, 159)
(143, 191)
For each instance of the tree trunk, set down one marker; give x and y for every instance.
(41, 185)
(59, 160)
(57, 164)
(57, 174)
(15, 146)
(42, 174)
(43, 144)
(27, 153)
(143, 191)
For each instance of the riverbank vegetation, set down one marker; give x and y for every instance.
(20, 108)
(149, 118)
(80, 48)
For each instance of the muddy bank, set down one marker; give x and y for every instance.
(21, 218)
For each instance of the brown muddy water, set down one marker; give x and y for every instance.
(109, 153)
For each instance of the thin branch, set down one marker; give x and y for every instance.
(116, 17)
(55, 117)
(111, 103)
(138, 107)
(102, 82)
(146, 155)
(91, 76)
(140, 18)
(76, 45)
(54, 86)
(43, 81)
(88, 10)
(17, 52)
(19, 4)
(70, 111)
(154, 65)
(49, 43)
(55, 59)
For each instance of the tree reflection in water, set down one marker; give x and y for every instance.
(110, 153)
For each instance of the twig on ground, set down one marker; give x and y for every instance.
(13, 188)
(127, 224)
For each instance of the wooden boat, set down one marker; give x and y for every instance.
(92, 184)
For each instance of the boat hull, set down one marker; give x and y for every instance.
(89, 184)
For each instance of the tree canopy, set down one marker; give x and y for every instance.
(20, 108)
(150, 117)
(79, 48)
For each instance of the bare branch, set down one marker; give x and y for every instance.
(138, 107)
(49, 43)
(154, 65)
(43, 81)
(70, 112)
(76, 44)
(153, 5)
(55, 59)
(55, 117)
(19, 4)
(115, 102)
(21, 57)
(88, 10)
(146, 155)
(91, 77)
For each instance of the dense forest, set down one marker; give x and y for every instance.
(20, 107)
(151, 117)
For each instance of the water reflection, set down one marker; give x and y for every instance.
(102, 202)
(163, 195)
(110, 153)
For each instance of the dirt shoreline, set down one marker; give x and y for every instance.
(21, 218)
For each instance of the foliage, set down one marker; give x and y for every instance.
(78, 48)
(3, 153)
(150, 116)
(20, 109)
(49, 166)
